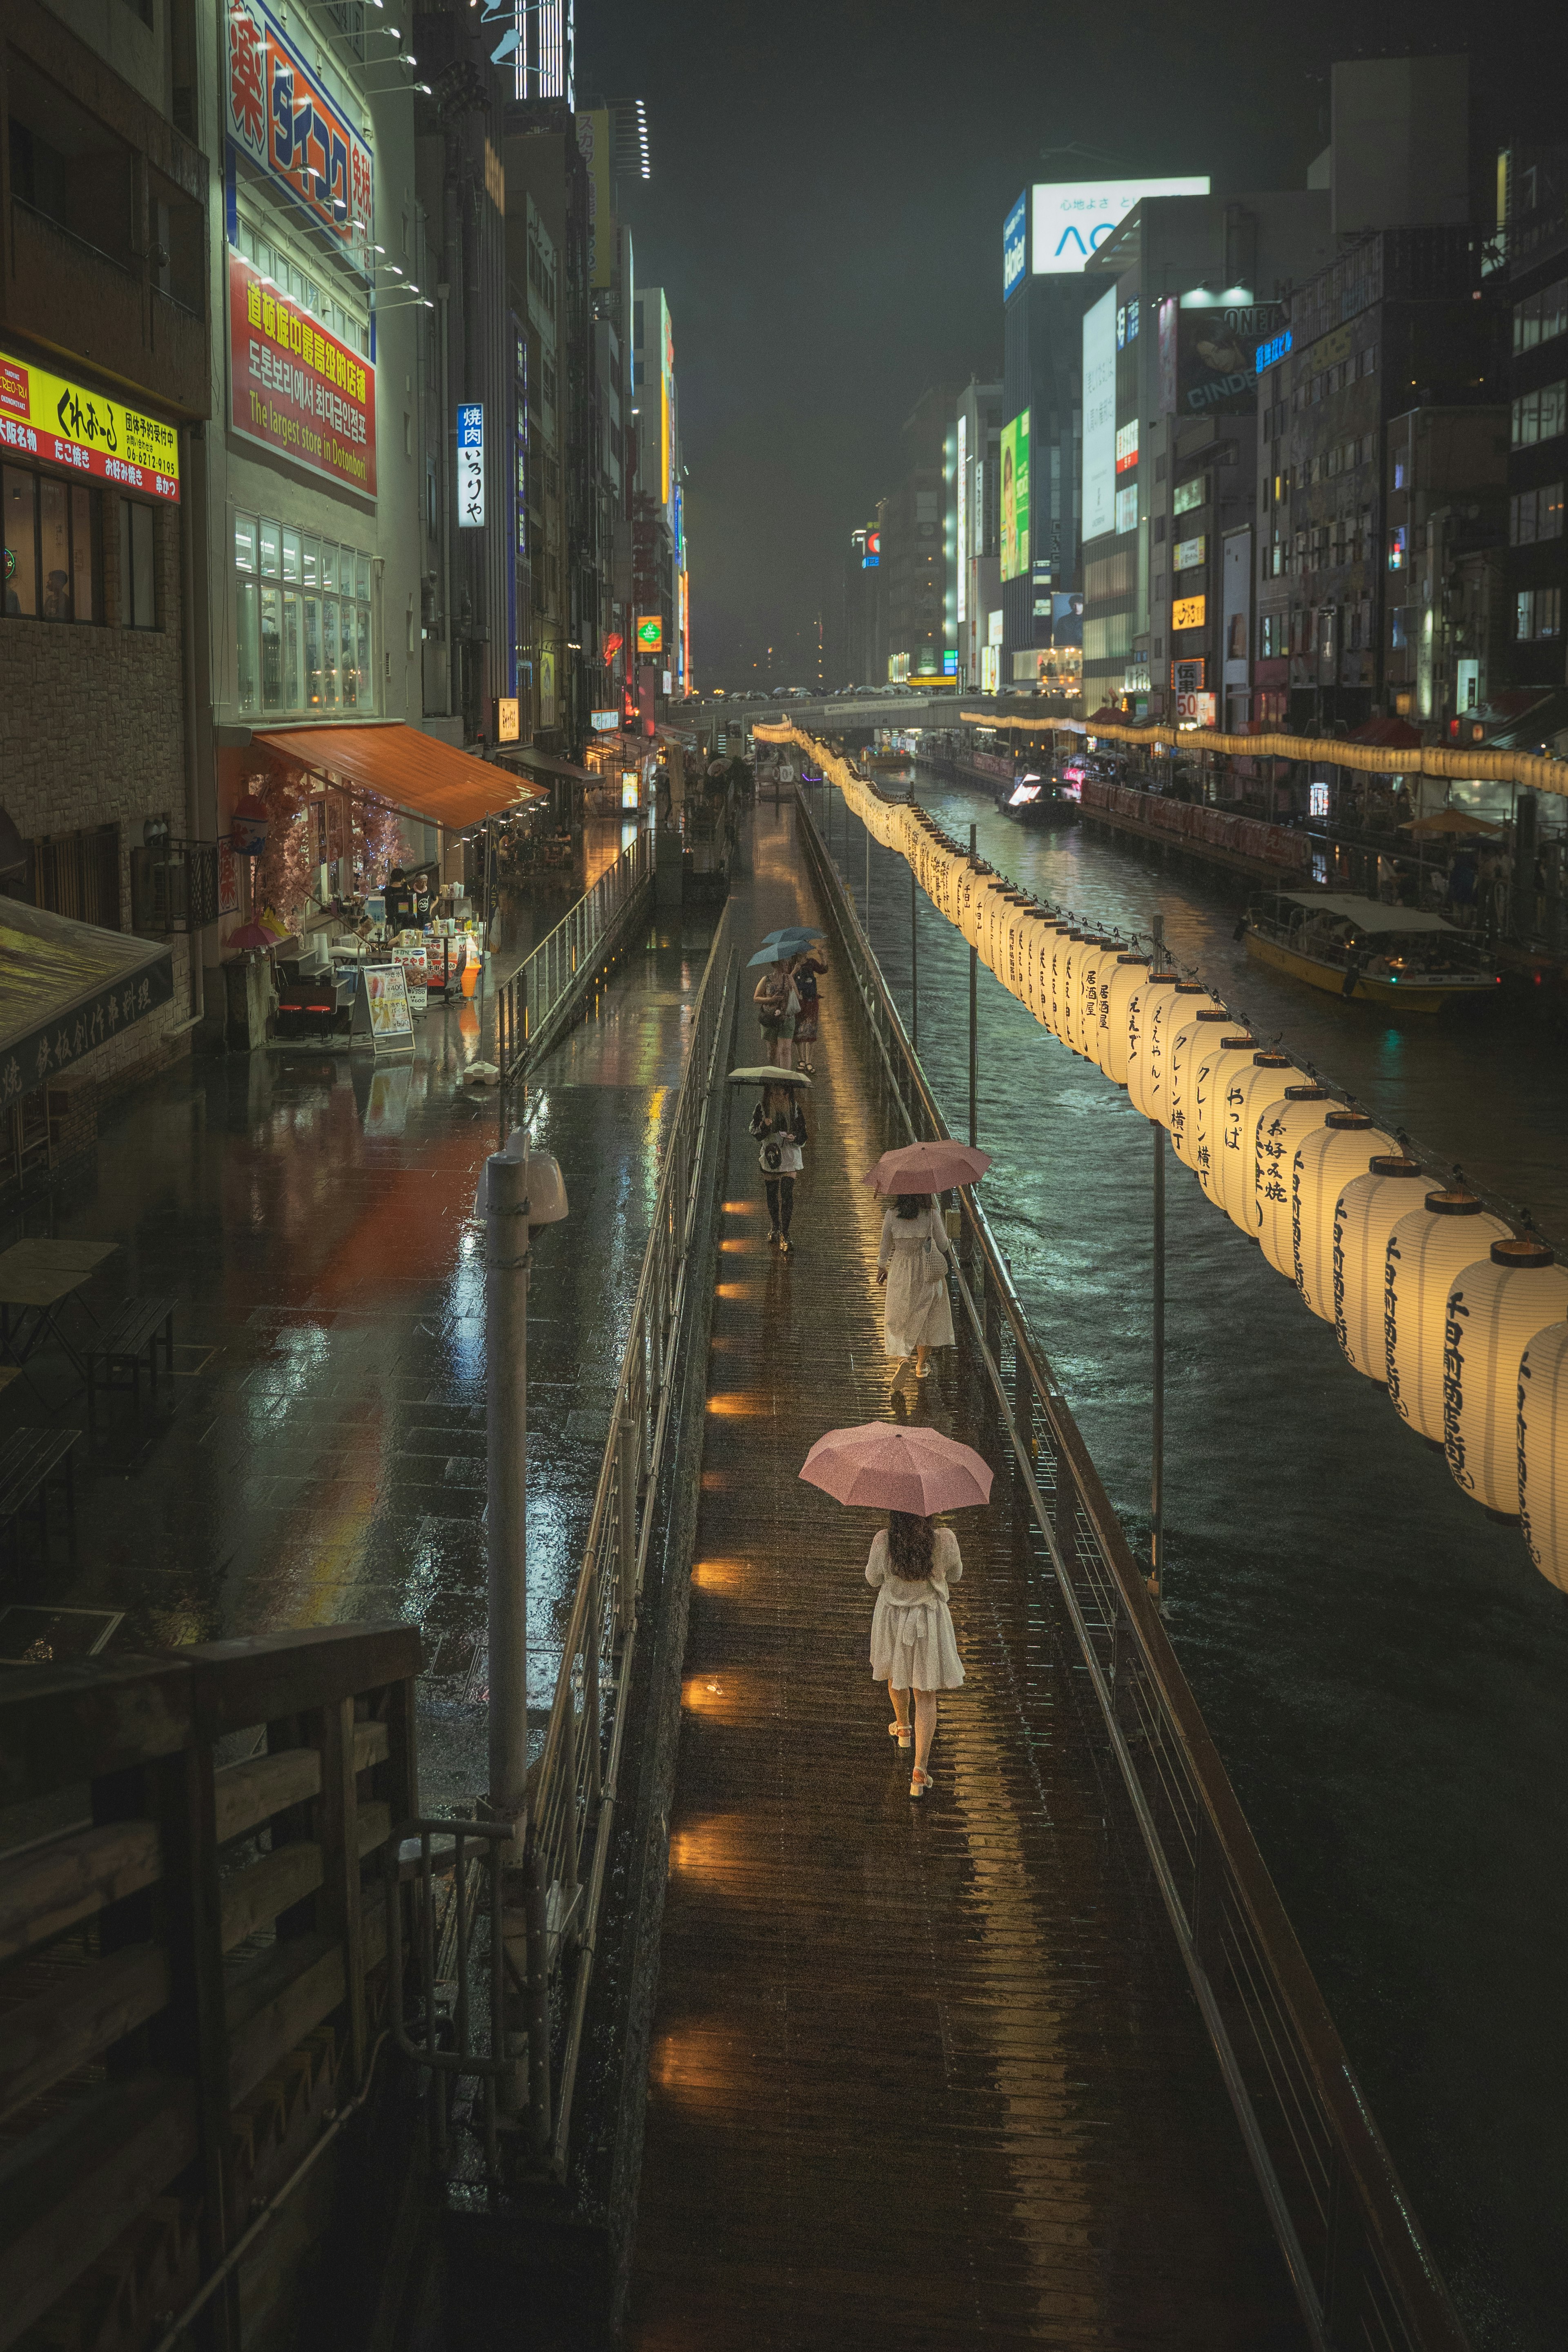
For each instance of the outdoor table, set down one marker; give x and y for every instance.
(37, 1280)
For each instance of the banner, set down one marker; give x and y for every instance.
(49, 416)
(1015, 497)
(1217, 363)
(281, 118)
(296, 389)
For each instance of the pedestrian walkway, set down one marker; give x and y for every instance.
(922, 2075)
(324, 1456)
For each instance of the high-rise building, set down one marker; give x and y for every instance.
(1529, 273)
(974, 583)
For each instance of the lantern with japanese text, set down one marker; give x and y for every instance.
(1130, 976)
(1142, 1005)
(1226, 1055)
(1166, 1015)
(1365, 1215)
(1494, 1310)
(1326, 1161)
(1067, 945)
(1280, 1126)
(1188, 1047)
(1084, 1012)
(1543, 1452)
(1427, 1250)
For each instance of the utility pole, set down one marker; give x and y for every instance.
(1157, 1430)
(974, 1022)
(506, 1450)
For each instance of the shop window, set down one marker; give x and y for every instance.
(138, 569)
(303, 621)
(53, 547)
(67, 165)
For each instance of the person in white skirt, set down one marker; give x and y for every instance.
(912, 1263)
(912, 1645)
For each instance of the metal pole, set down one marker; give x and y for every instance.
(974, 1025)
(1157, 1430)
(506, 1440)
(868, 882)
(913, 961)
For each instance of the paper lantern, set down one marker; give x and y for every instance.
(1245, 1095)
(1365, 1215)
(1140, 1004)
(1188, 1047)
(1225, 1055)
(1131, 972)
(1326, 1161)
(1427, 1250)
(1067, 947)
(1166, 1015)
(1283, 1125)
(1495, 1309)
(1049, 932)
(1543, 1452)
(1084, 1009)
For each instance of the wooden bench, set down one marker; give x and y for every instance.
(128, 1339)
(29, 1460)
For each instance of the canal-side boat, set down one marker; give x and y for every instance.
(1347, 946)
(1036, 799)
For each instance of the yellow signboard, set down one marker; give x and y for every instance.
(650, 634)
(507, 724)
(49, 416)
(1186, 613)
(1329, 350)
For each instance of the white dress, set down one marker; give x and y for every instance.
(916, 1312)
(912, 1645)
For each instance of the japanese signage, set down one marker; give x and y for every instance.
(281, 118)
(1276, 348)
(1015, 247)
(1100, 416)
(1186, 613)
(604, 722)
(382, 1009)
(470, 465)
(1195, 709)
(1329, 350)
(1015, 497)
(650, 634)
(594, 143)
(1073, 218)
(507, 719)
(1217, 366)
(49, 417)
(1169, 324)
(1188, 553)
(296, 389)
(97, 1014)
(1186, 677)
(1126, 446)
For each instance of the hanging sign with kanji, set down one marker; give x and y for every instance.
(64, 423)
(470, 465)
(282, 118)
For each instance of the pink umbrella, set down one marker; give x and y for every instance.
(927, 1167)
(889, 1469)
(252, 940)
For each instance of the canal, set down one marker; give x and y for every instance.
(1384, 1670)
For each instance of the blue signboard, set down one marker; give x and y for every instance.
(1275, 349)
(1015, 246)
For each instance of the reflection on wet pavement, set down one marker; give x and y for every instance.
(325, 1456)
(1380, 1664)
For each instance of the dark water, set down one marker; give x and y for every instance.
(1385, 1672)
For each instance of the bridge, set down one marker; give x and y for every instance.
(721, 2038)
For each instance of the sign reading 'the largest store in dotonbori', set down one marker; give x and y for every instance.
(297, 389)
(282, 118)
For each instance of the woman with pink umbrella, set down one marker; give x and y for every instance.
(911, 1474)
(913, 1257)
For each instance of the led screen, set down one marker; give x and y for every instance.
(1072, 218)
(1100, 416)
(1015, 497)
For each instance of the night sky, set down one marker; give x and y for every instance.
(825, 215)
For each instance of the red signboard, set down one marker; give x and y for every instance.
(297, 389)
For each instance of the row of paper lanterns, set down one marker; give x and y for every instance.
(1429, 1294)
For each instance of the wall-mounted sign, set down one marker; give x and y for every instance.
(1329, 350)
(605, 722)
(612, 646)
(1276, 348)
(470, 465)
(1186, 677)
(507, 719)
(1219, 353)
(282, 118)
(961, 501)
(1188, 553)
(1015, 246)
(650, 634)
(1015, 497)
(1099, 494)
(296, 389)
(993, 628)
(950, 661)
(1127, 508)
(1186, 613)
(1126, 445)
(1072, 218)
(1195, 709)
(48, 416)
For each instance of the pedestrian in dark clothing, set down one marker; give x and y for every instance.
(808, 970)
(779, 1123)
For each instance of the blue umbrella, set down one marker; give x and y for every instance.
(772, 955)
(792, 931)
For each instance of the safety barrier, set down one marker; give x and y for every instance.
(1360, 2268)
(535, 1003)
(1244, 836)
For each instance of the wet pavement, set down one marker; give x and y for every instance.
(920, 2075)
(320, 1455)
(1381, 1666)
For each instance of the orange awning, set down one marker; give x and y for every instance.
(414, 772)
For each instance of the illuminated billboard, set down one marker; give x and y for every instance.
(1219, 352)
(963, 505)
(1072, 218)
(1015, 497)
(1015, 246)
(1100, 416)
(650, 634)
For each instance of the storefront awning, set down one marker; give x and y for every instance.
(412, 772)
(65, 988)
(550, 763)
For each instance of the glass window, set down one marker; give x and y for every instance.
(138, 608)
(330, 652)
(270, 557)
(272, 649)
(19, 492)
(310, 558)
(291, 556)
(84, 557)
(246, 593)
(367, 682)
(54, 549)
(350, 669)
(328, 565)
(312, 652)
(293, 699)
(363, 578)
(245, 542)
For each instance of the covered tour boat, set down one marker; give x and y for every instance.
(1397, 957)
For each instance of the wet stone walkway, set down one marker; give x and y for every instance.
(923, 2076)
(320, 1454)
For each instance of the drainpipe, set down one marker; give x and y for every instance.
(193, 831)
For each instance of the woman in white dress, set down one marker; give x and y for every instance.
(912, 1263)
(912, 1645)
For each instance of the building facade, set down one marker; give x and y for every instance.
(1530, 274)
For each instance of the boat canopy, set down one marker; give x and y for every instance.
(1368, 915)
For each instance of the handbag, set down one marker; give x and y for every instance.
(770, 1158)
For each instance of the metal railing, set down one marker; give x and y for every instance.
(534, 1004)
(1359, 2266)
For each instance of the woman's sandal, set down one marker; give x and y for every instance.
(903, 1732)
(919, 1783)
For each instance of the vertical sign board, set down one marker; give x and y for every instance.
(281, 118)
(1014, 528)
(1100, 417)
(382, 1016)
(593, 144)
(963, 516)
(470, 465)
(1015, 247)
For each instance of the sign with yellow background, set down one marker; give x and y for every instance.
(50, 417)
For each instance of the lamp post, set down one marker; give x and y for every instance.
(974, 1022)
(913, 962)
(1157, 1428)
